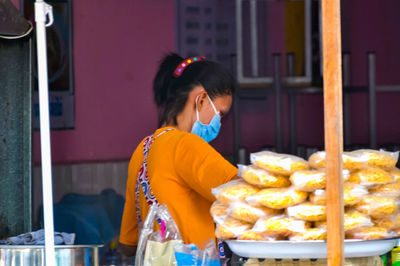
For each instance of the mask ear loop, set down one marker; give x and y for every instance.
(197, 109)
(212, 104)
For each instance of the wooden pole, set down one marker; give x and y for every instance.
(333, 113)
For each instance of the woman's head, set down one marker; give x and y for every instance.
(198, 81)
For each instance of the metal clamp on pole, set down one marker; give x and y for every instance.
(42, 11)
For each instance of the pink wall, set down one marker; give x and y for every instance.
(116, 46)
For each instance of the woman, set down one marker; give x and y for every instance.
(192, 95)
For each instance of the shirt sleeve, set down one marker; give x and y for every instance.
(129, 233)
(200, 166)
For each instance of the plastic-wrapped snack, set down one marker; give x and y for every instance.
(307, 212)
(369, 233)
(232, 191)
(396, 232)
(388, 190)
(251, 235)
(260, 177)
(230, 228)
(377, 207)
(352, 194)
(308, 180)
(395, 172)
(381, 158)
(310, 234)
(352, 220)
(218, 209)
(279, 226)
(318, 197)
(277, 198)
(278, 163)
(248, 213)
(389, 222)
(371, 177)
(317, 160)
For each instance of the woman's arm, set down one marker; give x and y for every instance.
(128, 250)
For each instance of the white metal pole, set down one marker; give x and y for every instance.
(41, 11)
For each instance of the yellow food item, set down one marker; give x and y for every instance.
(260, 177)
(369, 233)
(308, 180)
(396, 232)
(279, 226)
(278, 198)
(387, 190)
(248, 213)
(352, 220)
(352, 194)
(395, 172)
(381, 158)
(251, 235)
(235, 190)
(231, 228)
(218, 209)
(310, 234)
(371, 176)
(377, 207)
(318, 197)
(308, 212)
(318, 161)
(389, 222)
(278, 163)
(358, 159)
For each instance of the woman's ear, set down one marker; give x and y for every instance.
(201, 100)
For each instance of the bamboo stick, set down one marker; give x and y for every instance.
(333, 128)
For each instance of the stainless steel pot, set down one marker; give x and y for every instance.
(79, 255)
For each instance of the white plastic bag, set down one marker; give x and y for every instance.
(156, 248)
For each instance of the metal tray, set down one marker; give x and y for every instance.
(313, 249)
(66, 255)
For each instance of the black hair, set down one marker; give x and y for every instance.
(171, 93)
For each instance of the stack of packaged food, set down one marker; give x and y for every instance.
(282, 197)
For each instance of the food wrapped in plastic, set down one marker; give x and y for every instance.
(389, 222)
(278, 163)
(260, 177)
(352, 194)
(377, 207)
(310, 234)
(381, 158)
(308, 212)
(395, 172)
(279, 226)
(371, 177)
(218, 209)
(251, 235)
(370, 233)
(248, 213)
(278, 198)
(388, 190)
(309, 180)
(232, 191)
(230, 228)
(317, 160)
(352, 220)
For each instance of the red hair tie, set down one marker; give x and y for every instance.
(184, 64)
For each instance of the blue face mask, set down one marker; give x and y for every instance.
(210, 131)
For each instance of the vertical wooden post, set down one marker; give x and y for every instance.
(333, 128)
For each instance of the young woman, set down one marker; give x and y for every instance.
(176, 166)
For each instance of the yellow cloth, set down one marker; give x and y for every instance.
(182, 170)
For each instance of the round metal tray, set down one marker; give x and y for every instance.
(313, 249)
